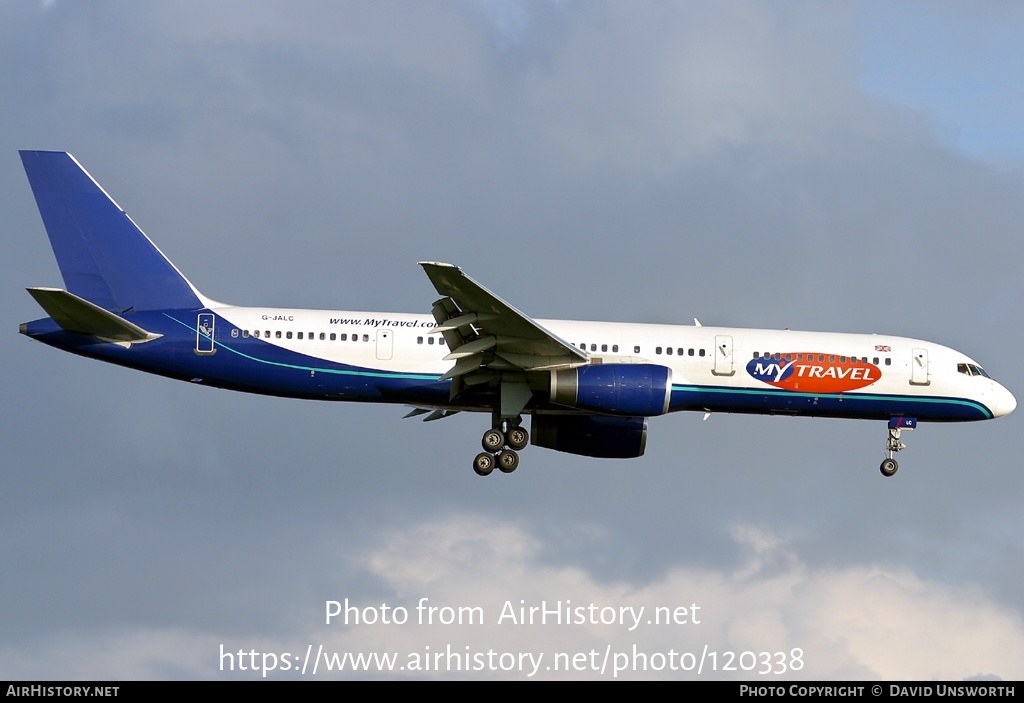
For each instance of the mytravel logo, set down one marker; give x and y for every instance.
(813, 372)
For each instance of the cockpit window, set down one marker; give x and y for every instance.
(971, 370)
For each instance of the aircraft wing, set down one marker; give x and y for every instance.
(488, 336)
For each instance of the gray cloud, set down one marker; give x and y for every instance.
(484, 592)
(584, 160)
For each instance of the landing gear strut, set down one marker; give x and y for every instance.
(889, 465)
(501, 444)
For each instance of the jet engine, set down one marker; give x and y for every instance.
(634, 390)
(591, 435)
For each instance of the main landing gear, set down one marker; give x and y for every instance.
(889, 465)
(502, 445)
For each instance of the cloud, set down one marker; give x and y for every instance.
(588, 160)
(475, 579)
(680, 84)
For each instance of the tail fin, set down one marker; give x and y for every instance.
(103, 256)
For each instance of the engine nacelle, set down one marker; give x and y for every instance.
(634, 390)
(591, 435)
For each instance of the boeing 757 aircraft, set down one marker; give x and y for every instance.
(589, 387)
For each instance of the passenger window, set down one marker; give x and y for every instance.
(300, 335)
(615, 348)
(657, 350)
(430, 340)
(888, 361)
(593, 347)
(636, 349)
(234, 334)
(419, 340)
(288, 334)
(701, 353)
(334, 337)
(604, 347)
(366, 338)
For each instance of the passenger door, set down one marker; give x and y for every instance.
(723, 356)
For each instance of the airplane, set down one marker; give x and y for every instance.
(589, 387)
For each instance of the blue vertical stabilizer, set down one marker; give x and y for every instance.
(103, 256)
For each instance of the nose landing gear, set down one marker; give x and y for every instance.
(889, 465)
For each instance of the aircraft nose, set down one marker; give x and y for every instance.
(1005, 402)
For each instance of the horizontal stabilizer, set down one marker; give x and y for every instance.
(75, 314)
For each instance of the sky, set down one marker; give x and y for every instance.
(833, 166)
